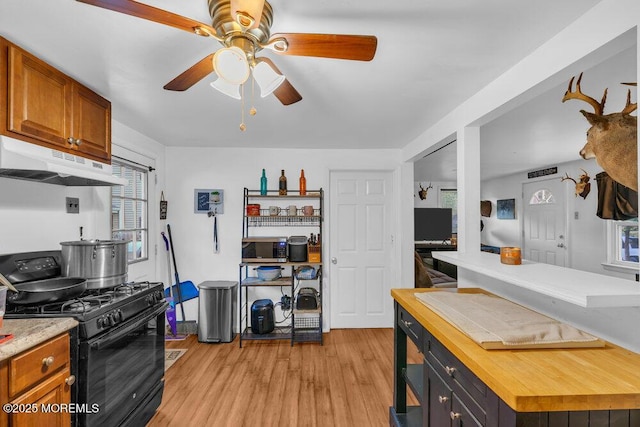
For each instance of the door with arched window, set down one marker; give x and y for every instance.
(545, 222)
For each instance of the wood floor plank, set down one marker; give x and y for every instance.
(345, 382)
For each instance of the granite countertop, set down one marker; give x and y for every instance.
(28, 333)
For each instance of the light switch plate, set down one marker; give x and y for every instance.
(73, 205)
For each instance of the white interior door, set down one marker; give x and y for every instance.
(361, 255)
(545, 222)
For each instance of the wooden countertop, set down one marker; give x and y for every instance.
(539, 380)
(28, 333)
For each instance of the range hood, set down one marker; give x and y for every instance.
(22, 160)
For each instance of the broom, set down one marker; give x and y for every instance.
(185, 291)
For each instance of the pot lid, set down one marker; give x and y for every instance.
(95, 242)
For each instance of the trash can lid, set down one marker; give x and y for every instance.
(217, 284)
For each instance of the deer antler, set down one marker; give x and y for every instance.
(598, 107)
(568, 177)
(629, 108)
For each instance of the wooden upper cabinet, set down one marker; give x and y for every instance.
(39, 99)
(47, 107)
(92, 122)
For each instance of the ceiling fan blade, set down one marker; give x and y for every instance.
(150, 13)
(193, 75)
(339, 46)
(286, 93)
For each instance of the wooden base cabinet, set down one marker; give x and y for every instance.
(37, 386)
(49, 108)
(450, 394)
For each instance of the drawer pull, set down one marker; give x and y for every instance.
(455, 415)
(70, 380)
(407, 323)
(47, 361)
(449, 370)
(443, 399)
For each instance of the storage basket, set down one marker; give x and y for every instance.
(306, 272)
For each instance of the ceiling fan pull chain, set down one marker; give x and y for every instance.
(252, 110)
(242, 125)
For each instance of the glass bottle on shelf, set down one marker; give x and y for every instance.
(303, 183)
(263, 184)
(282, 184)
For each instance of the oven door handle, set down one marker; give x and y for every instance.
(119, 333)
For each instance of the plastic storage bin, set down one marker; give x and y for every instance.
(216, 311)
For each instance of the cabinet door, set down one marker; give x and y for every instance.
(47, 398)
(439, 400)
(39, 100)
(91, 123)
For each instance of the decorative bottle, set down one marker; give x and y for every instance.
(282, 184)
(263, 184)
(303, 183)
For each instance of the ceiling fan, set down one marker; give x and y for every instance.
(243, 27)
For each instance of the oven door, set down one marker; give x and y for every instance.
(120, 369)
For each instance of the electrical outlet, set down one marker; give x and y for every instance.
(73, 205)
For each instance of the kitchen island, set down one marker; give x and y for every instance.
(460, 382)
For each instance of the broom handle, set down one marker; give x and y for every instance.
(175, 268)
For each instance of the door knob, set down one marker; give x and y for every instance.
(334, 260)
(561, 245)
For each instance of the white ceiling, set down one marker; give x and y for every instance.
(432, 55)
(542, 132)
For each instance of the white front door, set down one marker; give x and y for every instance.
(545, 222)
(361, 256)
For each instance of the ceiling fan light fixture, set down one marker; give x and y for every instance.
(267, 78)
(231, 64)
(227, 88)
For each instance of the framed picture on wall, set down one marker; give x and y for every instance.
(506, 209)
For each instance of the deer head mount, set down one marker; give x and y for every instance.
(612, 139)
(423, 191)
(583, 187)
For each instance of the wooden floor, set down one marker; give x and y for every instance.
(346, 382)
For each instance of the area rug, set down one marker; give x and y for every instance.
(171, 355)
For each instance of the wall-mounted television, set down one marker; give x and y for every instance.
(432, 224)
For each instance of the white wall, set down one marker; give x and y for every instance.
(597, 35)
(234, 169)
(33, 215)
(586, 236)
(433, 199)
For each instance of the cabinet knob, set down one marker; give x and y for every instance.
(71, 140)
(407, 323)
(78, 141)
(70, 380)
(47, 361)
(334, 260)
(443, 399)
(449, 370)
(454, 415)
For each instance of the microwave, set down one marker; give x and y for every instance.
(264, 249)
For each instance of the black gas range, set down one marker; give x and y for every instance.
(97, 311)
(118, 350)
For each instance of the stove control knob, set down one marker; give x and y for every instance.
(113, 318)
(120, 315)
(101, 323)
